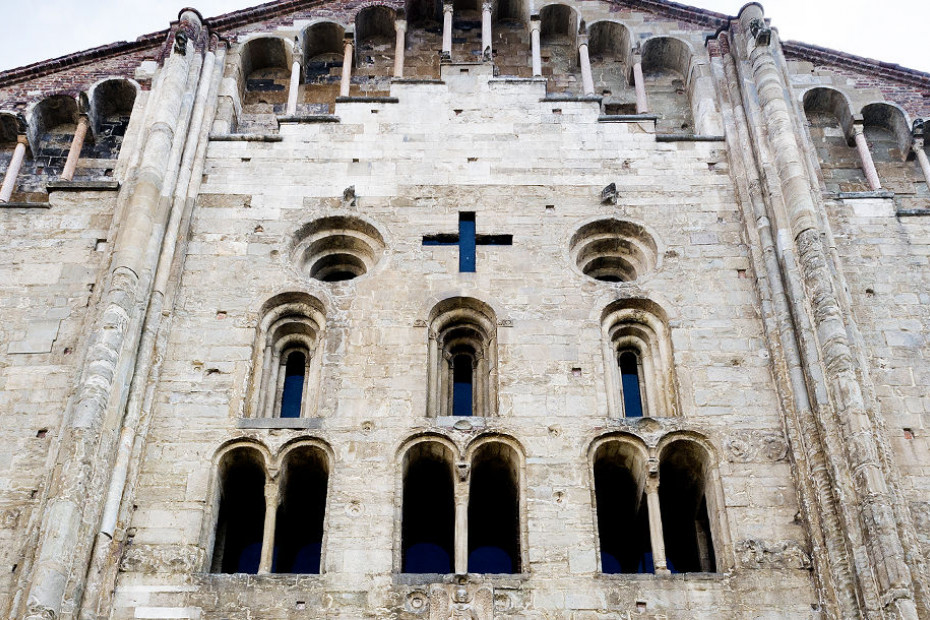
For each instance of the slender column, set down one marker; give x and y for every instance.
(537, 56)
(480, 381)
(655, 525)
(868, 166)
(918, 147)
(642, 104)
(12, 171)
(270, 379)
(400, 28)
(74, 153)
(445, 386)
(587, 80)
(434, 376)
(271, 515)
(446, 53)
(294, 85)
(461, 529)
(486, 8)
(346, 67)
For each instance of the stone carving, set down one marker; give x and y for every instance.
(609, 195)
(461, 602)
(753, 553)
(417, 602)
(152, 559)
(349, 199)
(760, 32)
(180, 42)
(756, 447)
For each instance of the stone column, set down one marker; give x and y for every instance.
(537, 55)
(271, 516)
(294, 86)
(655, 523)
(12, 171)
(74, 153)
(642, 103)
(486, 53)
(460, 564)
(479, 381)
(400, 28)
(865, 156)
(921, 154)
(346, 67)
(433, 376)
(446, 54)
(587, 80)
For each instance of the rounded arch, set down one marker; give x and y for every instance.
(892, 119)
(401, 454)
(55, 112)
(632, 445)
(245, 443)
(375, 23)
(558, 23)
(831, 102)
(610, 38)
(111, 100)
(456, 309)
(665, 53)
(421, 12)
(291, 303)
(323, 41)
(311, 443)
(265, 52)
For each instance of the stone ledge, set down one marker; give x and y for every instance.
(461, 423)
(626, 118)
(246, 137)
(567, 98)
(417, 81)
(80, 186)
(25, 205)
(367, 100)
(513, 79)
(500, 579)
(308, 118)
(280, 423)
(674, 137)
(864, 195)
(913, 213)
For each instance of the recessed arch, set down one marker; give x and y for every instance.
(239, 530)
(667, 67)
(833, 103)
(830, 126)
(494, 508)
(428, 506)
(888, 132)
(52, 123)
(300, 521)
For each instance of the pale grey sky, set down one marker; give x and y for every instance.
(891, 30)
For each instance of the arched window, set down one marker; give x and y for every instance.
(685, 521)
(298, 540)
(559, 48)
(265, 64)
(374, 53)
(52, 128)
(428, 514)
(494, 511)
(241, 519)
(638, 357)
(610, 50)
(462, 358)
(667, 69)
(830, 125)
(111, 105)
(622, 508)
(287, 364)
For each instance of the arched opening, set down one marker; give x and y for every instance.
(298, 540)
(666, 69)
(511, 38)
(428, 513)
(266, 74)
(830, 125)
(287, 363)
(630, 383)
(53, 123)
(494, 511)
(295, 369)
(241, 518)
(424, 38)
(889, 138)
(335, 249)
(324, 48)
(463, 359)
(689, 545)
(374, 55)
(610, 52)
(558, 48)
(111, 106)
(622, 511)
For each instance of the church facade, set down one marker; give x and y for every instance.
(446, 309)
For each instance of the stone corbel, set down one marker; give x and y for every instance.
(463, 470)
(760, 32)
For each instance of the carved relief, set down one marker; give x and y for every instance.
(756, 447)
(151, 559)
(461, 602)
(778, 554)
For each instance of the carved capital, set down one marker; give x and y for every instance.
(446, 7)
(487, 7)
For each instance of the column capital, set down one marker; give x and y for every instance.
(487, 5)
(858, 127)
(918, 144)
(446, 7)
(535, 22)
(582, 39)
(400, 25)
(21, 139)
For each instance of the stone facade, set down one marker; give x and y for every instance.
(683, 265)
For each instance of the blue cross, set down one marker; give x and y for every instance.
(467, 239)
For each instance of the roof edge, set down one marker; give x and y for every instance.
(797, 50)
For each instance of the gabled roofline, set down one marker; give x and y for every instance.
(275, 8)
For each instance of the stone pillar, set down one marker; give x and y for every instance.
(433, 376)
(12, 171)
(294, 86)
(479, 381)
(865, 156)
(642, 103)
(271, 516)
(346, 66)
(64, 540)
(460, 565)
(74, 153)
(921, 154)
(537, 55)
(400, 28)
(486, 52)
(446, 54)
(587, 80)
(655, 523)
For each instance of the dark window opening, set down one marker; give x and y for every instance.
(622, 520)
(462, 384)
(241, 519)
(467, 241)
(685, 523)
(428, 527)
(292, 395)
(298, 540)
(629, 379)
(493, 517)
